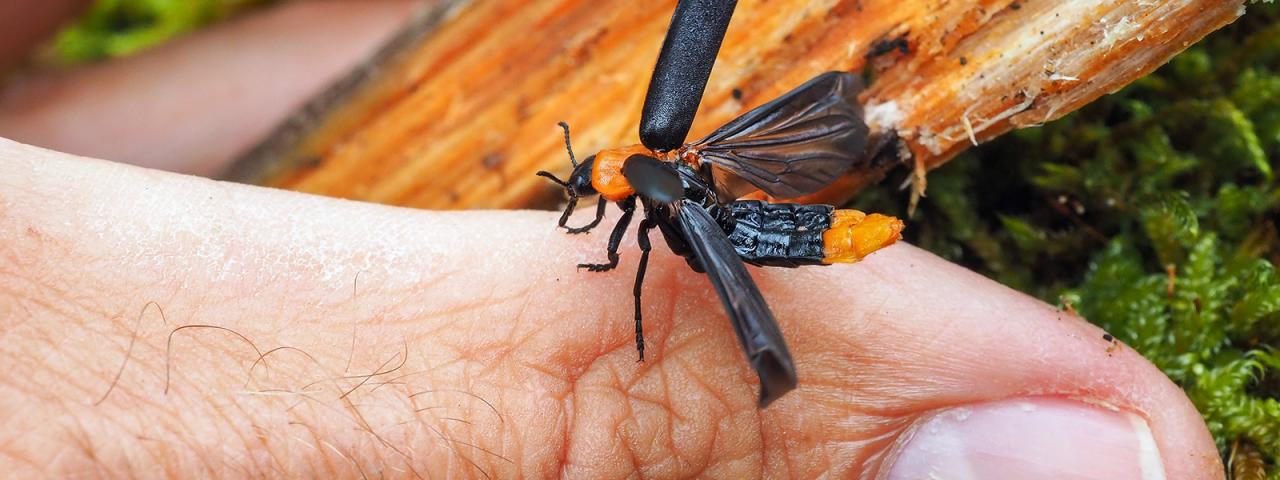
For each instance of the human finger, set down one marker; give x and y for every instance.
(469, 341)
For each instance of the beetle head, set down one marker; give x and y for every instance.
(579, 182)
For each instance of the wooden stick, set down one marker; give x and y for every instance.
(462, 108)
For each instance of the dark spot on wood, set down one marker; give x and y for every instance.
(1015, 6)
(493, 161)
(787, 38)
(883, 46)
(964, 61)
(737, 94)
(522, 108)
(583, 51)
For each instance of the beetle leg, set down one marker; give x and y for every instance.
(615, 239)
(642, 237)
(586, 228)
(568, 210)
(573, 202)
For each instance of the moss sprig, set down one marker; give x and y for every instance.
(114, 28)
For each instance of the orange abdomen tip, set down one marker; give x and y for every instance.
(854, 235)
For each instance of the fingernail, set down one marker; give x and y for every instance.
(1040, 437)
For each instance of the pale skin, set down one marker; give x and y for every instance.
(308, 337)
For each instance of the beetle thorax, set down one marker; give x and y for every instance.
(606, 175)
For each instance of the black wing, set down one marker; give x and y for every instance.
(796, 144)
(684, 64)
(652, 178)
(757, 331)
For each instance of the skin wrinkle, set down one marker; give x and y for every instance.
(460, 455)
(874, 460)
(470, 430)
(547, 371)
(364, 426)
(11, 453)
(669, 451)
(8, 329)
(352, 414)
(762, 439)
(714, 417)
(335, 409)
(636, 464)
(38, 298)
(240, 461)
(84, 445)
(562, 454)
(706, 386)
(323, 463)
(260, 438)
(517, 324)
(856, 449)
(455, 453)
(453, 438)
(223, 414)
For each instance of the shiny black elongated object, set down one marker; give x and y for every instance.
(680, 76)
(752, 320)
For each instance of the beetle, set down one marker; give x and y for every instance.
(791, 146)
(788, 147)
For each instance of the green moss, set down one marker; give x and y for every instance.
(120, 27)
(1153, 213)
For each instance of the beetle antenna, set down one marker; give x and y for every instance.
(546, 174)
(567, 146)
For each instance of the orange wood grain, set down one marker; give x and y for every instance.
(462, 111)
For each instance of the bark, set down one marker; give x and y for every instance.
(462, 108)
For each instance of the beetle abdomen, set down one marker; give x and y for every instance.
(790, 235)
(777, 234)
